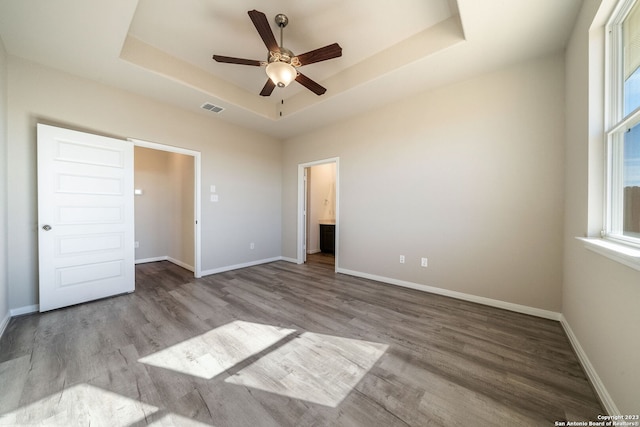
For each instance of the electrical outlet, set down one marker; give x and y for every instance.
(423, 262)
(252, 245)
(401, 259)
(136, 245)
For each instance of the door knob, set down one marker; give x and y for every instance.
(46, 227)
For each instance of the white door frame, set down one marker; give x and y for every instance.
(301, 208)
(196, 210)
(305, 216)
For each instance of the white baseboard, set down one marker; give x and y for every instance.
(287, 259)
(154, 259)
(598, 385)
(4, 322)
(166, 258)
(313, 251)
(239, 266)
(24, 310)
(181, 264)
(538, 312)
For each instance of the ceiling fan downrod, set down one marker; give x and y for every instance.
(281, 21)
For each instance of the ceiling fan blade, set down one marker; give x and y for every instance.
(322, 54)
(268, 88)
(310, 84)
(262, 25)
(231, 60)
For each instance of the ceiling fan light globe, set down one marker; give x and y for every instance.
(281, 73)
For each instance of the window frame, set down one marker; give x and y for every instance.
(617, 125)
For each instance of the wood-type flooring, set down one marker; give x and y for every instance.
(281, 344)
(321, 258)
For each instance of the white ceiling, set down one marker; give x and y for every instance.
(391, 49)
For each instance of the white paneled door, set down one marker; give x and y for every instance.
(85, 217)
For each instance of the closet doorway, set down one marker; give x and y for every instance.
(167, 205)
(318, 212)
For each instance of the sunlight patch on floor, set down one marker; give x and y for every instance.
(82, 404)
(210, 354)
(176, 420)
(317, 368)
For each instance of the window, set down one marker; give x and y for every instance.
(623, 115)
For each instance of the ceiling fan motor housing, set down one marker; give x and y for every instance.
(285, 55)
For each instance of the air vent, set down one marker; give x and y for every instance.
(213, 108)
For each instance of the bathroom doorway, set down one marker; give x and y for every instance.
(321, 214)
(318, 213)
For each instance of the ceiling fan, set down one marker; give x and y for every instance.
(281, 65)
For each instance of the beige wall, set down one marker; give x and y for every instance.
(600, 297)
(470, 176)
(164, 212)
(182, 243)
(322, 201)
(4, 286)
(152, 208)
(244, 165)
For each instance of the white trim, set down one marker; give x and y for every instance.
(165, 258)
(598, 385)
(313, 251)
(154, 259)
(239, 266)
(532, 311)
(305, 217)
(623, 254)
(300, 244)
(197, 167)
(180, 263)
(616, 124)
(24, 310)
(287, 259)
(4, 323)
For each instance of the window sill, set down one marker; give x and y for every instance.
(616, 251)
